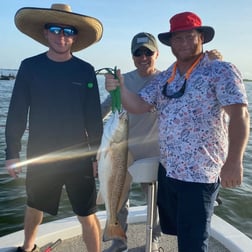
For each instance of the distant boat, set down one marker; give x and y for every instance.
(7, 77)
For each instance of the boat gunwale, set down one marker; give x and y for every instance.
(66, 228)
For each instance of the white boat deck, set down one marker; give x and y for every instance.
(224, 236)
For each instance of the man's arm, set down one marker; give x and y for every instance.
(239, 128)
(132, 102)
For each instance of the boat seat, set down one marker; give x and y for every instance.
(145, 171)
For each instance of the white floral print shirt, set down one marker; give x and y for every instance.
(193, 129)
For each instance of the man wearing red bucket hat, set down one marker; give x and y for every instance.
(186, 21)
(203, 130)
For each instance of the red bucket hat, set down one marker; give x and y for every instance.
(183, 22)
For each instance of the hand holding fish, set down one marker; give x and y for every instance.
(130, 100)
(111, 83)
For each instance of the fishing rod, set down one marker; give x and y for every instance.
(53, 245)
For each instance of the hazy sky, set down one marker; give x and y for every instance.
(232, 21)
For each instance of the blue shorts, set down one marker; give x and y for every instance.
(185, 209)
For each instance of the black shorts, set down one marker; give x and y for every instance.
(44, 183)
(185, 210)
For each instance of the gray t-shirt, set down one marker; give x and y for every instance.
(143, 128)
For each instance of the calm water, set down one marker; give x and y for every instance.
(235, 209)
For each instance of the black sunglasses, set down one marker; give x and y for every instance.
(177, 94)
(56, 30)
(140, 52)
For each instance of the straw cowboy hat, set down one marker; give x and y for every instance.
(186, 21)
(31, 21)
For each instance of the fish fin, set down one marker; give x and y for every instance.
(99, 199)
(127, 183)
(125, 190)
(130, 159)
(114, 231)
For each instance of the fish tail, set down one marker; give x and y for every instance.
(114, 231)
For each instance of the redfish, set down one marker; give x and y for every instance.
(113, 177)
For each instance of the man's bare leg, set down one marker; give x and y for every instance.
(91, 231)
(33, 219)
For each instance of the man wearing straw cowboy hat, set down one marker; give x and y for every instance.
(203, 118)
(58, 94)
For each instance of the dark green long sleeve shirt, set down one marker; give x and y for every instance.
(59, 101)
